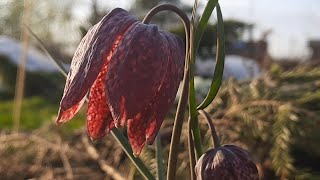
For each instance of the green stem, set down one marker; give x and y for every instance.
(159, 158)
(193, 114)
(177, 127)
(192, 157)
(115, 132)
(178, 122)
(215, 137)
(122, 140)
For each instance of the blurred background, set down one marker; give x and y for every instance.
(269, 102)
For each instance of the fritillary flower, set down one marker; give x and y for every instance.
(131, 72)
(227, 162)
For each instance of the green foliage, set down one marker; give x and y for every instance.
(36, 112)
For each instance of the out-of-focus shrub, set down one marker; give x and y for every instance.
(45, 84)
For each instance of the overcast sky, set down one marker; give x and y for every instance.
(292, 22)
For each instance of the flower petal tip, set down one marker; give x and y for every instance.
(92, 138)
(117, 125)
(137, 149)
(137, 152)
(58, 123)
(150, 139)
(135, 155)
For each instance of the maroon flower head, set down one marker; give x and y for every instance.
(132, 72)
(227, 162)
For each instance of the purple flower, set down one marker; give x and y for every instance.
(227, 162)
(132, 72)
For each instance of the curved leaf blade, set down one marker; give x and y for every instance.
(220, 58)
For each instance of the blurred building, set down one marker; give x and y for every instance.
(252, 49)
(42, 76)
(36, 61)
(315, 48)
(256, 50)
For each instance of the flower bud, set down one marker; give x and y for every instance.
(227, 162)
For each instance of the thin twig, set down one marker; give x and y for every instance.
(103, 164)
(65, 161)
(132, 172)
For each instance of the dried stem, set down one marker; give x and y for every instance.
(65, 160)
(108, 169)
(22, 66)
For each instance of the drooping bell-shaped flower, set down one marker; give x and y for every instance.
(132, 72)
(227, 162)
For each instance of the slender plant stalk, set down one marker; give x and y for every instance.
(177, 127)
(159, 158)
(192, 155)
(20, 79)
(192, 100)
(194, 12)
(215, 137)
(218, 71)
(122, 140)
(178, 122)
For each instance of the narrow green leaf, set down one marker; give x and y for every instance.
(193, 114)
(218, 71)
(211, 4)
(196, 35)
